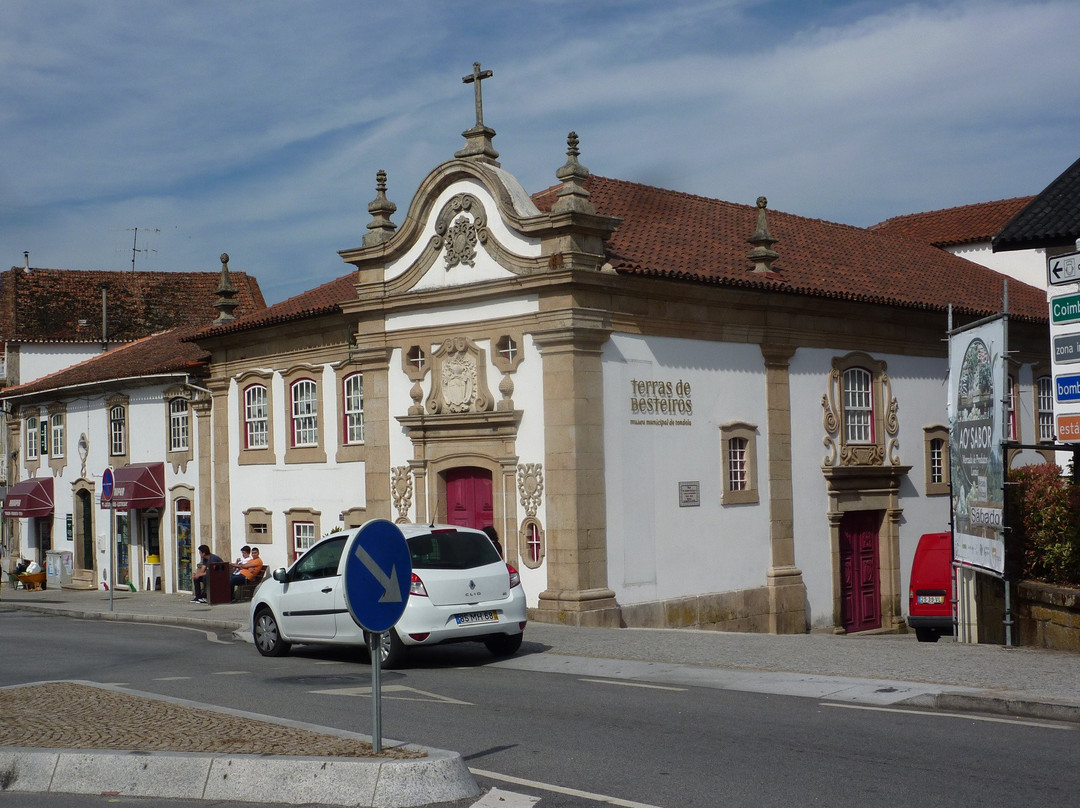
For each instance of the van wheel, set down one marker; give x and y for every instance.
(926, 635)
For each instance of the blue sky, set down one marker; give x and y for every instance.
(256, 128)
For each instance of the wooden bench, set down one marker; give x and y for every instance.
(245, 591)
(31, 581)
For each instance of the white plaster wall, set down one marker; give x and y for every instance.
(1028, 266)
(37, 360)
(656, 549)
(485, 267)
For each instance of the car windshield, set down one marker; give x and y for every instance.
(451, 550)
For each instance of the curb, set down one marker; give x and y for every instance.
(999, 705)
(389, 783)
(129, 617)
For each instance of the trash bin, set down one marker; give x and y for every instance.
(220, 585)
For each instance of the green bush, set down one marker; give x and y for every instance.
(1044, 517)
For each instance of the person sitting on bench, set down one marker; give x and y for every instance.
(247, 572)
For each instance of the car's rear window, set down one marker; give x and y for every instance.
(451, 550)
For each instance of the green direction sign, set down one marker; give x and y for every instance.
(1065, 309)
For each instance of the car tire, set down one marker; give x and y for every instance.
(504, 644)
(392, 649)
(267, 634)
(926, 635)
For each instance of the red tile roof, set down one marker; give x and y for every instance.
(674, 235)
(162, 353)
(953, 226)
(47, 305)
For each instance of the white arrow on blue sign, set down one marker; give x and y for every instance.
(378, 572)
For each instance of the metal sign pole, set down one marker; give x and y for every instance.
(112, 554)
(376, 692)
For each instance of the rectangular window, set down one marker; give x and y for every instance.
(305, 408)
(178, 425)
(58, 434)
(256, 434)
(117, 431)
(937, 461)
(1010, 406)
(858, 406)
(737, 464)
(303, 536)
(354, 408)
(1046, 409)
(32, 438)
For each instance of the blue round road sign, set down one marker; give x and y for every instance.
(106, 485)
(378, 572)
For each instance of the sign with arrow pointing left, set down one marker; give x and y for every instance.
(378, 572)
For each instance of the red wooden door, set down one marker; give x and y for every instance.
(860, 579)
(468, 497)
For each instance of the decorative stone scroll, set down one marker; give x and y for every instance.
(460, 226)
(460, 379)
(401, 488)
(886, 444)
(530, 480)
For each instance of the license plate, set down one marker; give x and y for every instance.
(930, 599)
(476, 617)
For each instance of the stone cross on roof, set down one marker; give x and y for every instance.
(478, 139)
(477, 77)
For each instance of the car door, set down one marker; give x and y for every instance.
(313, 596)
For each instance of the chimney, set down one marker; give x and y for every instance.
(26, 260)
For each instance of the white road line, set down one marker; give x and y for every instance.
(393, 692)
(232, 673)
(968, 716)
(632, 684)
(572, 792)
(171, 678)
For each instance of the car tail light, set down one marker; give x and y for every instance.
(515, 577)
(421, 637)
(416, 587)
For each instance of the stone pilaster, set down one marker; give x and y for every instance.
(213, 463)
(577, 592)
(374, 363)
(787, 592)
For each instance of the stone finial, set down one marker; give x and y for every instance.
(762, 240)
(226, 293)
(478, 139)
(380, 228)
(572, 196)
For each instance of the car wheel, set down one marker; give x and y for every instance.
(504, 644)
(926, 635)
(391, 650)
(268, 635)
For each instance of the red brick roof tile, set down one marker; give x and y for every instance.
(953, 226)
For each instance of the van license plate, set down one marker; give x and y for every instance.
(930, 599)
(476, 617)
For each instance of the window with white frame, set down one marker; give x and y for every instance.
(1045, 400)
(256, 428)
(1010, 408)
(303, 536)
(937, 460)
(305, 413)
(738, 446)
(32, 445)
(353, 392)
(179, 424)
(57, 420)
(117, 430)
(858, 406)
(736, 458)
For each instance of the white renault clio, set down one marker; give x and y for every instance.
(461, 590)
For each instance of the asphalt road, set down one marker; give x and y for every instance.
(576, 740)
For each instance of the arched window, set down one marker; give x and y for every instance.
(256, 428)
(858, 406)
(32, 438)
(353, 394)
(117, 431)
(305, 413)
(178, 424)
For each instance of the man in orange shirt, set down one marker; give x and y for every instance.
(249, 571)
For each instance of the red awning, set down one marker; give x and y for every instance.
(140, 485)
(33, 497)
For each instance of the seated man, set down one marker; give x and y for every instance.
(198, 578)
(249, 571)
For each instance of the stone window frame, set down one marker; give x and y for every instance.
(314, 453)
(884, 426)
(931, 434)
(353, 517)
(1012, 398)
(348, 452)
(501, 361)
(33, 446)
(256, 455)
(295, 516)
(258, 516)
(178, 458)
(58, 438)
(527, 525)
(121, 404)
(743, 431)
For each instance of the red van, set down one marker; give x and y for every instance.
(931, 589)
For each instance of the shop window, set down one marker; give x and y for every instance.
(936, 459)
(739, 463)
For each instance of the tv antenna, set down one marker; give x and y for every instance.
(135, 243)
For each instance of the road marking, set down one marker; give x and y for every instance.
(968, 716)
(171, 678)
(231, 673)
(632, 684)
(571, 792)
(388, 691)
(497, 798)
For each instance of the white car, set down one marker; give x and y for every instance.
(461, 590)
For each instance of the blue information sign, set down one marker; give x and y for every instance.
(378, 572)
(1067, 388)
(106, 485)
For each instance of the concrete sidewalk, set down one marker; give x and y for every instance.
(873, 669)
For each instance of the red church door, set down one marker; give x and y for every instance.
(860, 579)
(468, 497)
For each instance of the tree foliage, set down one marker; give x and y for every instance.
(1044, 540)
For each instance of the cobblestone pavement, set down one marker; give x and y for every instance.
(83, 716)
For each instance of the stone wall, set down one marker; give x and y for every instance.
(1048, 616)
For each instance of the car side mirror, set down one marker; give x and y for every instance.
(280, 574)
